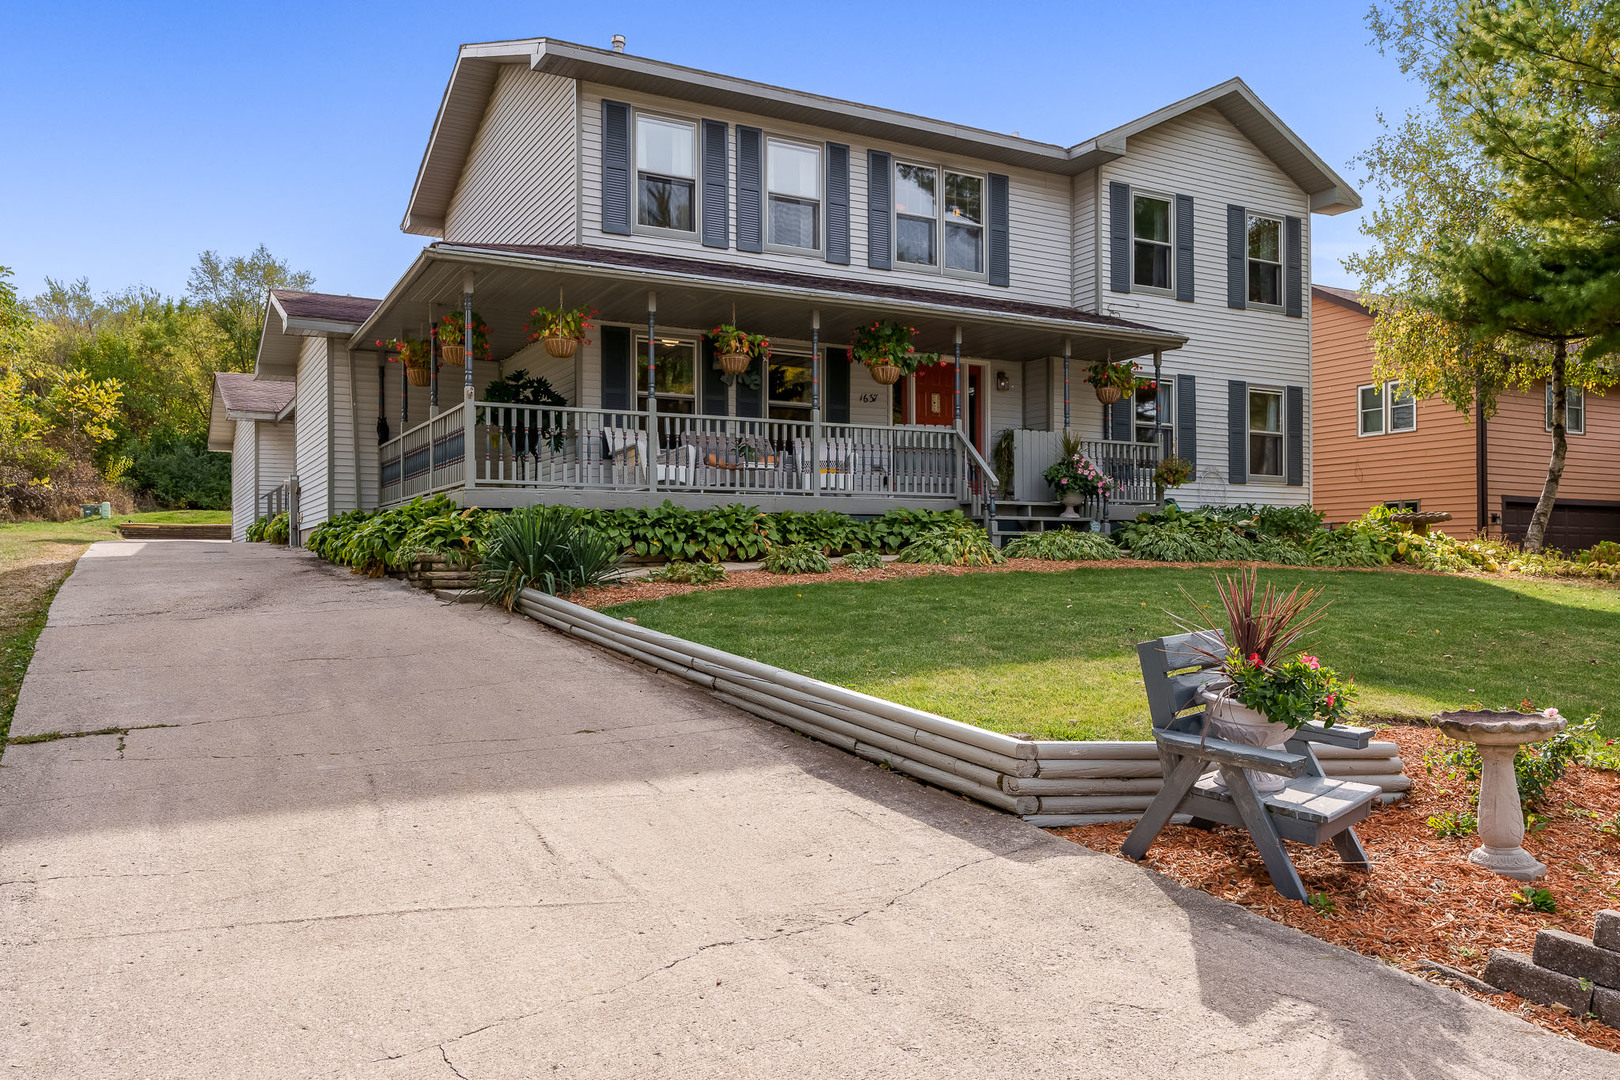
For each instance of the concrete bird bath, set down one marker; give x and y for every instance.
(1501, 817)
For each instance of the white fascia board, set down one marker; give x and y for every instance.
(301, 327)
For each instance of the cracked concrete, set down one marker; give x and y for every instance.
(389, 838)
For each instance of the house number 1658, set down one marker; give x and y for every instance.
(869, 398)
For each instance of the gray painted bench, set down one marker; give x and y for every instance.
(1310, 809)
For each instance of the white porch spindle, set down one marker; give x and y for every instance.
(652, 392)
(1065, 384)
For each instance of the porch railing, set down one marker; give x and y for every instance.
(536, 446)
(1129, 464)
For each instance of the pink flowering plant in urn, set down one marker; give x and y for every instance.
(1074, 474)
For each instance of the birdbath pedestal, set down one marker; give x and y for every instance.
(1501, 817)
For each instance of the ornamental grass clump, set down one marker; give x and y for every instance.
(544, 548)
(1062, 545)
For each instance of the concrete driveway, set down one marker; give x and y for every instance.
(383, 837)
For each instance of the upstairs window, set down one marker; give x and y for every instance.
(1265, 261)
(916, 215)
(1265, 433)
(666, 174)
(1150, 220)
(1370, 405)
(1574, 410)
(793, 186)
(1389, 407)
(1402, 407)
(964, 223)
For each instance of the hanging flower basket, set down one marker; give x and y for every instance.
(885, 374)
(561, 347)
(454, 355)
(1109, 394)
(414, 355)
(419, 372)
(886, 350)
(736, 350)
(1113, 381)
(735, 363)
(450, 338)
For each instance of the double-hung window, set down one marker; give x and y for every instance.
(1390, 407)
(676, 362)
(916, 214)
(1156, 415)
(1574, 410)
(1265, 261)
(666, 174)
(964, 222)
(1151, 262)
(793, 187)
(1265, 433)
(934, 208)
(788, 392)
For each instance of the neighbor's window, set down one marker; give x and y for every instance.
(1151, 250)
(793, 187)
(1402, 407)
(964, 223)
(788, 395)
(1371, 408)
(1574, 410)
(676, 365)
(1265, 261)
(1151, 407)
(916, 214)
(1265, 433)
(666, 173)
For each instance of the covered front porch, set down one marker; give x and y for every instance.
(649, 417)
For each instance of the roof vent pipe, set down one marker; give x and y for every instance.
(618, 43)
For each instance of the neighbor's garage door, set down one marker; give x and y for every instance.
(1575, 524)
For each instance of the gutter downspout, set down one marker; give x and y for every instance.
(1482, 515)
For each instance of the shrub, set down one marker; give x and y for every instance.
(329, 535)
(372, 546)
(256, 531)
(183, 476)
(1258, 521)
(862, 560)
(276, 530)
(454, 537)
(897, 528)
(545, 548)
(796, 559)
(689, 573)
(957, 542)
(674, 532)
(828, 530)
(1062, 545)
(1356, 543)
(1177, 535)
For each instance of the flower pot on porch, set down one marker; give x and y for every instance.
(884, 374)
(1070, 500)
(1234, 722)
(735, 363)
(1109, 394)
(453, 355)
(419, 372)
(561, 347)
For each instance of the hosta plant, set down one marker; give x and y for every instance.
(861, 560)
(689, 573)
(796, 559)
(1062, 545)
(953, 543)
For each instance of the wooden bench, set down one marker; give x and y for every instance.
(1311, 808)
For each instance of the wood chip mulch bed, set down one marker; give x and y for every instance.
(1423, 902)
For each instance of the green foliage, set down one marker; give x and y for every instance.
(1536, 899)
(1075, 474)
(521, 388)
(1356, 543)
(865, 559)
(256, 531)
(1538, 766)
(1177, 535)
(796, 559)
(1061, 545)
(1293, 692)
(1172, 472)
(183, 476)
(1257, 521)
(956, 542)
(689, 573)
(723, 533)
(455, 537)
(544, 548)
(1323, 904)
(277, 530)
(326, 538)
(370, 545)
(828, 530)
(1454, 824)
(231, 291)
(889, 343)
(899, 527)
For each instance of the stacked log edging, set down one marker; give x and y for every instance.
(1048, 782)
(440, 574)
(143, 530)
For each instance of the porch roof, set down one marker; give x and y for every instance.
(510, 280)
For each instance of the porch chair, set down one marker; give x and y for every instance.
(1311, 808)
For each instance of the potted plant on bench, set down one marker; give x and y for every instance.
(886, 350)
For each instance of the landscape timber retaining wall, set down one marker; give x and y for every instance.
(1047, 782)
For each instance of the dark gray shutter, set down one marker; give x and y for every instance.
(1294, 433)
(617, 380)
(615, 167)
(750, 189)
(751, 401)
(879, 210)
(1293, 269)
(716, 395)
(1237, 431)
(838, 204)
(835, 386)
(716, 186)
(1119, 236)
(1122, 419)
(1187, 417)
(1237, 257)
(1184, 247)
(1000, 218)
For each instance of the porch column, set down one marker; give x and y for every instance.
(404, 393)
(467, 337)
(652, 390)
(1158, 403)
(815, 401)
(382, 392)
(1065, 385)
(432, 336)
(956, 404)
(958, 401)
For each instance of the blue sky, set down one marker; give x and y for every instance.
(142, 134)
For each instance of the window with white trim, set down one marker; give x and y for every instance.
(964, 222)
(1265, 261)
(1402, 407)
(1266, 433)
(916, 214)
(677, 370)
(1156, 407)
(938, 208)
(1574, 409)
(1370, 409)
(793, 194)
(1150, 242)
(787, 393)
(666, 174)
(1387, 408)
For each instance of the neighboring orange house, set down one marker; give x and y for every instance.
(1374, 446)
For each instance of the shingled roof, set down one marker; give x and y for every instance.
(327, 306)
(242, 393)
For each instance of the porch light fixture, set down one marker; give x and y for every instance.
(1002, 382)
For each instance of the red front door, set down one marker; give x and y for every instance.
(934, 388)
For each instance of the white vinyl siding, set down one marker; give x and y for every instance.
(243, 483)
(1085, 234)
(313, 434)
(1040, 209)
(521, 183)
(277, 455)
(1202, 155)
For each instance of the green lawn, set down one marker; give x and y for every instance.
(1054, 654)
(18, 538)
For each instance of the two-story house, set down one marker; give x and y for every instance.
(671, 200)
